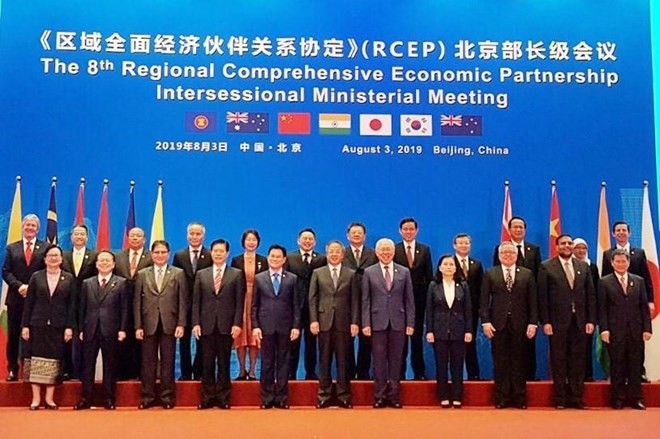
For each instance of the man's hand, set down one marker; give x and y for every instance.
(295, 333)
(430, 337)
(646, 336)
(121, 335)
(68, 335)
(314, 328)
(178, 332)
(236, 332)
(355, 330)
(531, 331)
(139, 334)
(25, 334)
(367, 331)
(605, 336)
(468, 337)
(258, 336)
(589, 329)
(410, 330)
(22, 290)
(489, 330)
(547, 329)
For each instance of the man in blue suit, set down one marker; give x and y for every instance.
(388, 315)
(275, 324)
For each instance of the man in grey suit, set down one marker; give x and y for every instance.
(275, 324)
(388, 315)
(334, 314)
(567, 307)
(160, 307)
(217, 318)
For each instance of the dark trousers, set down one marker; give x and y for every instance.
(337, 343)
(387, 350)
(416, 340)
(449, 353)
(190, 369)
(508, 347)
(275, 360)
(471, 358)
(567, 354)
(14, 317)
(363, 363)
(626, 362)
(130, 353)
(109, 347)
(530, 356)
(151, 345)
(589, 357)
(216, 352)
(310, 341)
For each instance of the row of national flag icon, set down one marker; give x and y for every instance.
(342, 124)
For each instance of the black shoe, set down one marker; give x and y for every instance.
(12, 376)
(224, 406)
(420, 378)
(243, 376)
(185, 378)
(145, 405)
(205, 406)
(618, 405)
(380, 404)
(445, 404)
(109, 404)
(395, 405)
(500, 405)
(645, 379)
(34, 407)
(560, 406)
(474, 378)
(51, 406)
(522, 406)
(363, 377)
(66, 377)
(251, 378)
(457, 404)
(345, 405)
(270, 405)
(323, 404)
(579, 405)
(82, 405)
(282, 405)
(168, 405)
(639, 405)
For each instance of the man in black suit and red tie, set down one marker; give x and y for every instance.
(217, 319)
(103, 320)
(528, 255)
(302, 263)
(388, 316)
(358, 257)
(191, 259)
(22, 259)
(275, 324)
(471, 271)
(567, 307)
(625, 324)
(509, 316)
(417, 258)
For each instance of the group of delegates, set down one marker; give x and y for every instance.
(133, 306)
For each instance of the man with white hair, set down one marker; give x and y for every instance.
(22, 259)
(388, 316)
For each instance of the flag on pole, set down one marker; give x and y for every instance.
(506, 214)
(555, 223)
(648, 244)
(103, 231)
(13, 235)
(51, 217)
(80, 204)
(157, 226)
(603, 244)
(130, 217)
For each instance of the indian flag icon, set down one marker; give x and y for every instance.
(334, 124)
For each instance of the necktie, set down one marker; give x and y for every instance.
(217, 281)
(388, 278)
(276, 283)
(306, 258)
(77, 261)
(464, 267)
(195, 260)
(569, 274)
(624, 285)
(508, 280)
(28, 253)
(520, 259)
(357, 256)
(103, 283)
(134, 263)
(409, 255)
(159, 278)
(335, 277)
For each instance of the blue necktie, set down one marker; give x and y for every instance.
(276, 283)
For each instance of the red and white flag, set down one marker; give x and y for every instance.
(648, 244)
(555, 223)
(506, 214)
(103, 231)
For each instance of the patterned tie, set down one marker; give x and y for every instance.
(28, 253)
(568, 269)
(195, 260)
(388, 278)
(134, 263)
(335, 277)
(159, 278)
(624, 285)
(217, 281)
(464, 267)
(306, 258)
(409, 255)
(508, 280)
(276, 283)
(77, 261)
(104, 282)
(357, 256)
(520, 260)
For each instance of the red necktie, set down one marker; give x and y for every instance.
(28, 253)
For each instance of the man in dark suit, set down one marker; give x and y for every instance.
(191, 259)
(160, 308)
(103, 320)
(471, 271)
(509, 316)
(625, 324)
(528, 255)
(388, 315)
(302, 263)
(217, 319)
(567, 307)
(334, 315)
(127, 264)
(417, 258)
(22, 259)
(78, 261)
(358, 257)
(275, 324)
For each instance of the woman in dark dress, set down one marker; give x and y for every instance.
(48, 323)
(448, 328)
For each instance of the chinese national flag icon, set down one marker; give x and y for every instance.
(202, 122)
(293, 123)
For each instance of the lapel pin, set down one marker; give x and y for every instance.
(37, 247)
